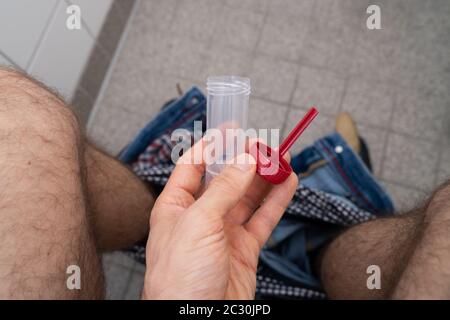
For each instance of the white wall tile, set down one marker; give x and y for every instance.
(22, 23)
(93, 13)
(62, 55)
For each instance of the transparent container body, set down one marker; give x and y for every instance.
(227, 115)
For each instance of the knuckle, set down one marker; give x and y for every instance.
(226, 183)
(268, 221)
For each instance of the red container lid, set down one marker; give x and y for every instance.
(270, 164)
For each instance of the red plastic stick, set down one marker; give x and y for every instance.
(282, 169)
(298, 130)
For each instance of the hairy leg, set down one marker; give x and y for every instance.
(45, 225)
(427, 273)
(120, 203)
(411, 251)
(384, 242)
(61, 199)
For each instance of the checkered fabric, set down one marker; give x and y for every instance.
(154, 167)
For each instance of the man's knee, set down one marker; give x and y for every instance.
(27, 109)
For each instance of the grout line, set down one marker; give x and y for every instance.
(300, 63)
(439, 160)
(282, 104)
(292, 94)
(92, 35)
(290, 106)
(291, 99)
(400, 184)
(113, 63)
(285, 129)
(407, 135)
(372, 126)
(254, 51)
(387, 138)
(283, 126)
(210, 42)
(404, 135)
(115, 6)
(15, 65)
(42, 36)
(177, 35)
(301, 59)
(83, 23)
(442, 145)
(176, 9)
(344, 94)
(249, 10)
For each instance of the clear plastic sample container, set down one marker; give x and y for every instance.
(227, 114)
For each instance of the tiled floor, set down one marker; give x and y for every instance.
(297, 53)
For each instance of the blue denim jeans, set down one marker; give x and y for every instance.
(343, 175)
(294, 242)
(181, 113)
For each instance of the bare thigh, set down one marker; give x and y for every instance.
(386, 243)
(45, 221)
(410, 250)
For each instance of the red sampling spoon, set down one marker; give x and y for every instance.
(279, 170)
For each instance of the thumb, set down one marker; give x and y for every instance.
(224, 191)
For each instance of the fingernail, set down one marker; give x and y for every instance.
(244, 162)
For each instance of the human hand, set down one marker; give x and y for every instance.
(207, 247)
